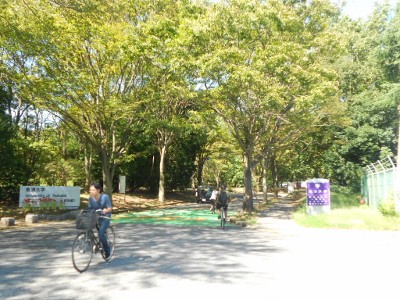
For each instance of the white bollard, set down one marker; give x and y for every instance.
(7, 221)
(31, 218)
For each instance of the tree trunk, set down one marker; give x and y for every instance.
(265, 183)
(88, 167)
(164, 140)
(161, 189)
(108, 172)
(274, 170)
(248, 204)
(200, 167)
(217, 177)
(398, 136)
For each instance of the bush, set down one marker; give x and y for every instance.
(344, 199)
(341, 199)
(341, 189)
(387, 208)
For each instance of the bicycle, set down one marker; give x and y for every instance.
(223, 216)
(87, 242)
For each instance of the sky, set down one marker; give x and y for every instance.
(362, 8)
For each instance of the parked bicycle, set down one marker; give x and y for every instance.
(87, 242)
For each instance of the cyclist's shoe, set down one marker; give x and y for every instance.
(107, 257)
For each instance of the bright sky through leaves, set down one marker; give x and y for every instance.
(362, 8)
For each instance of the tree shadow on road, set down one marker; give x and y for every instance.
(37, 261)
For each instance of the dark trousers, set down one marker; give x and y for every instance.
(104, 223)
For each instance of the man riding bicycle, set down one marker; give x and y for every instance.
(222, 201)
(99, 200)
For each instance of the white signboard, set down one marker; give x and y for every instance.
(122, 184)
(290, 187)
(50, 197)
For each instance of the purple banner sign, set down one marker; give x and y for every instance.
(318, 192)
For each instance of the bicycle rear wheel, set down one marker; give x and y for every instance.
(110, 234)
(82, 252)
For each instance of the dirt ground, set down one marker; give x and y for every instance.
(140, 201)
(121, 203)
(135, 202)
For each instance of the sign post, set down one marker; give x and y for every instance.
(122, 185)
(318, 196)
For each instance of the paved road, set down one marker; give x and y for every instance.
(275, 260)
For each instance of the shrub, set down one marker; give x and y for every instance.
(340, 200)
(387, 207)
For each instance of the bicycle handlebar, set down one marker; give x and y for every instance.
(101, 214)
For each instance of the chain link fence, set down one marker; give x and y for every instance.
(379, 183)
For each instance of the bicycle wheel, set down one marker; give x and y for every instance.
(223, 218)
(110, 234)
(82, 252)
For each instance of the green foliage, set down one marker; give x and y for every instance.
(387, 207)
(344, 198)
(270, 89)
(14, 170)
(365, 71)
(341, 197)
(180, 161)
(223, 164)
(287, 85)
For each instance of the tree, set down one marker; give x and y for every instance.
(7, 153)
(168, 89)
(85, 66)
(265, 63)
(368, 97)
(389, 59)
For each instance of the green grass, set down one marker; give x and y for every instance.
(346, 213)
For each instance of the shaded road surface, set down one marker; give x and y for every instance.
(275, 260)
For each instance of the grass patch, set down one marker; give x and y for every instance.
(245, 217)
(170, 216)
(347, 213)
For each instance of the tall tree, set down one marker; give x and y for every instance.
(365, 90)
(389, 55)
(265, 63)
(85, 66)
(168, 88)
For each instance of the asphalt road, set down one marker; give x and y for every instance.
(275, 260)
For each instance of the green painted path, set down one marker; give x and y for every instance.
(170, 216)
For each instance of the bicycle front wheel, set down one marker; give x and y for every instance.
(82, 252)
(223, 218)
(110, 234)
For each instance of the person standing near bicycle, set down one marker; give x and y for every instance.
(222, 201)
(99, 200)
(213, 198)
